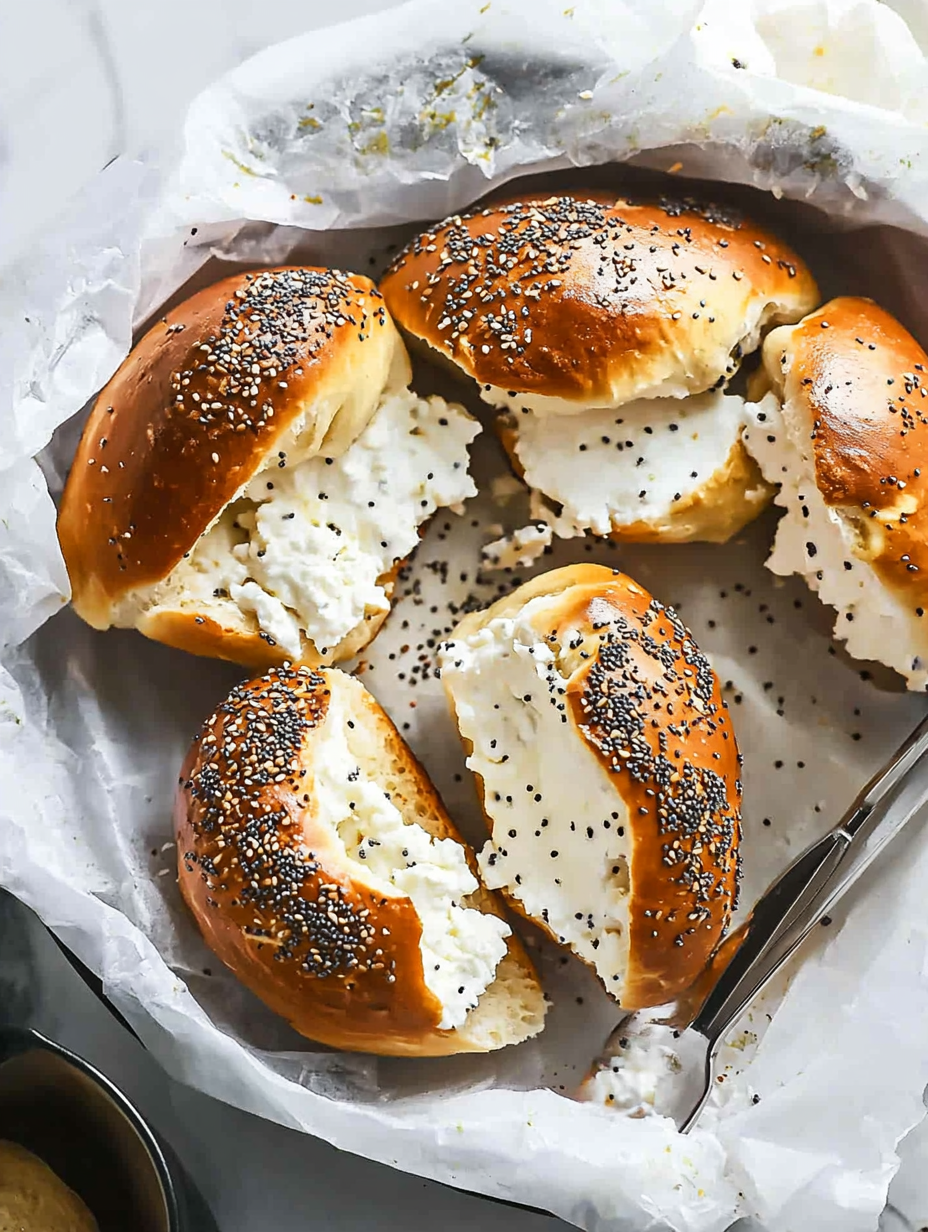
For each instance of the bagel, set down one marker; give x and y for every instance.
(322, 868)
(609, 774)
(605, 331)
(842, 428)
(251, 478)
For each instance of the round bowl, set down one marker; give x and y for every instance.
(69, 1114)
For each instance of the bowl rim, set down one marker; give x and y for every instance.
(17, 1040)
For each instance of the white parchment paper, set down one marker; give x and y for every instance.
(328, 149)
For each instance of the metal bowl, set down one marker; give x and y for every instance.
(60, 1107)
(63, 1110)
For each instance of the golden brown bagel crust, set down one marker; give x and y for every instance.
(591, 297)
(197, 405)
(274, 894)
(861, 379)
(215, 638)
(649, 705)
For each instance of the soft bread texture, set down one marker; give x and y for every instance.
(844, 432)
(589, 299)
(203, 427)
(609, 774)
(285, 897)
(662, 470)
(34, 1199)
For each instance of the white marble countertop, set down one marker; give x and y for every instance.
(80, 81)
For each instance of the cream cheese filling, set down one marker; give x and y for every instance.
(461, 946)
(307, 544)
(558, 841)
(819, 543)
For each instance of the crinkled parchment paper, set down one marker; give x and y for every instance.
(326, 149)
